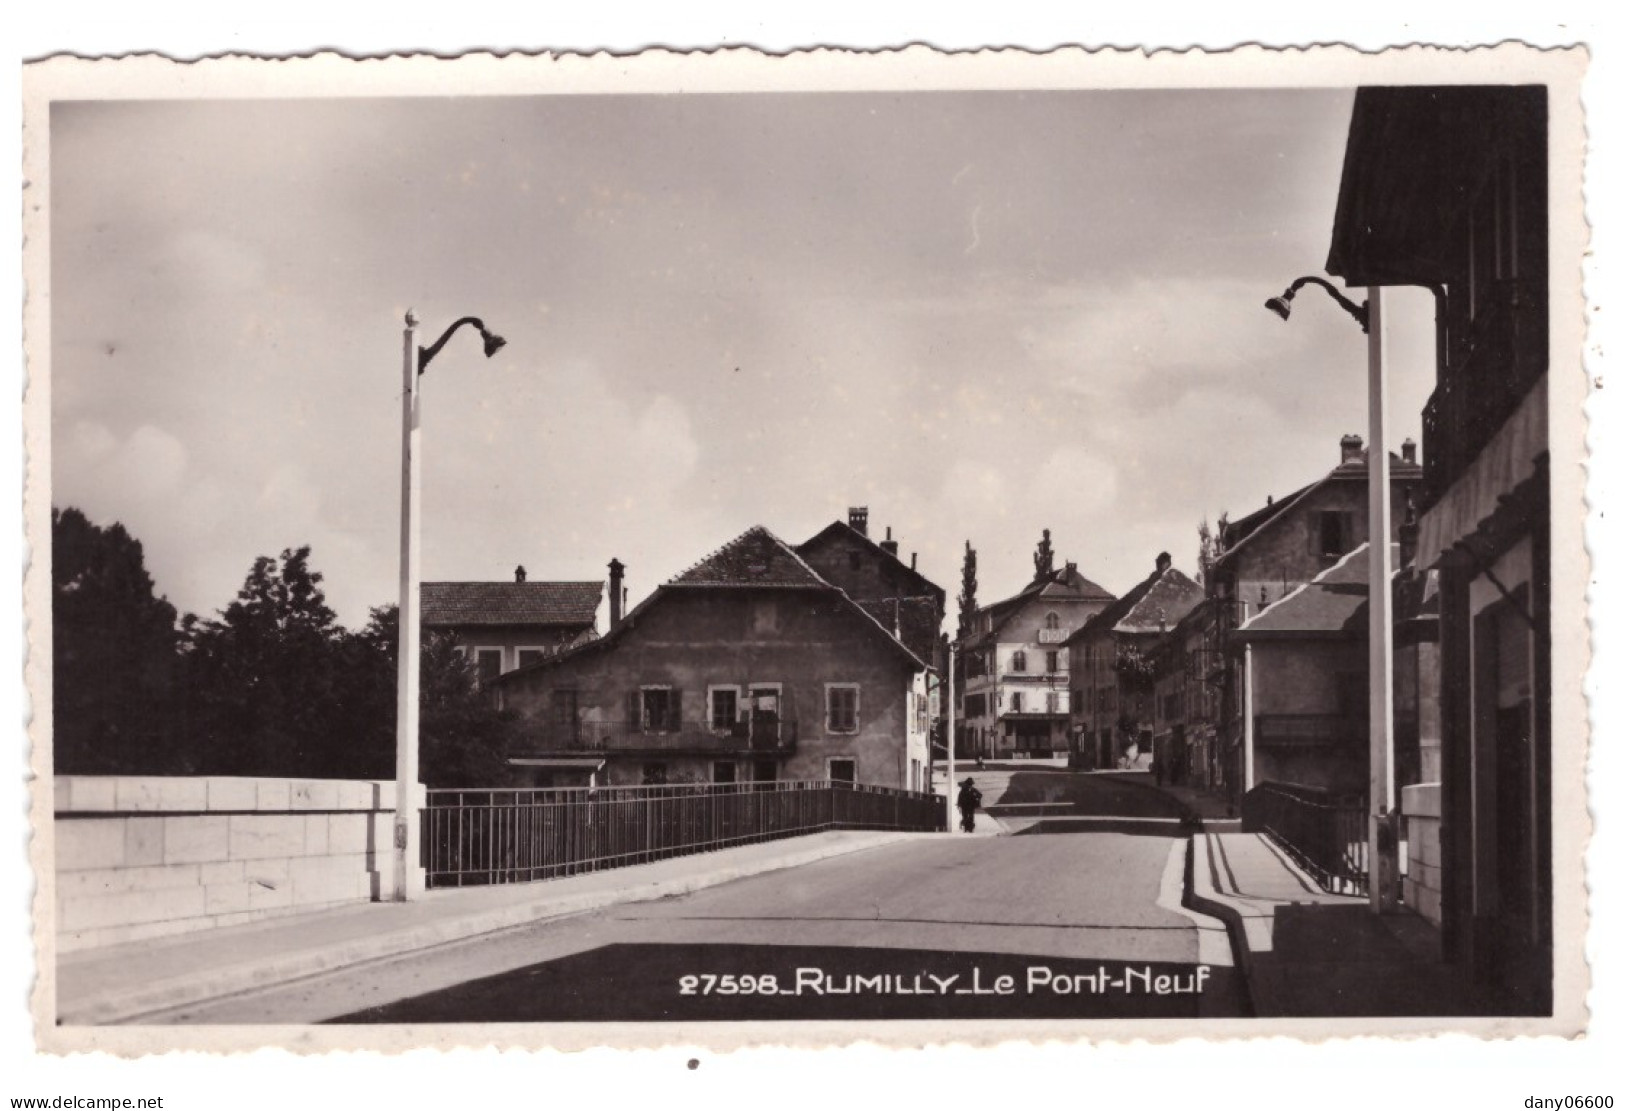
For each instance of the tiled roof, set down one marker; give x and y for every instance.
(1172, 594)
(510, 603)
(1067, 583)
(1113, 617)
(1330, 603)
(754, 558)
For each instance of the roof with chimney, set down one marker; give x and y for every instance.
(755, 560)
(563, 605)
(1333, 603)
(1155, 604)
(843, 533)
(1353, 467)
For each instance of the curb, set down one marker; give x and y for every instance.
(1201, 896)
(217, 983)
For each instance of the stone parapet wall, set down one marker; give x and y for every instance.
(1424, 876)
(144, 856)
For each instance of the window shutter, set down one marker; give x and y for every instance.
(674, 708)
(634, 712)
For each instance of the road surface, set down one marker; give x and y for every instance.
(1083, 923)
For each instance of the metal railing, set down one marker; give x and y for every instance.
(1325, 832)
(474, 837)
(744, 736)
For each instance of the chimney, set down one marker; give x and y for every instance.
(519, 573)
(858, 518)
(1407, 450)
(914, 561)
(1351, 448)
(1071, 570)
(889, 544)
(1164, 561)
(617, 596)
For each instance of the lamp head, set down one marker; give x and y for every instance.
(1281, 306)
(493, 342)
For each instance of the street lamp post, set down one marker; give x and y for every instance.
(1383, 845)
(409, 878)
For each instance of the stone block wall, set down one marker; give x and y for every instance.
(1424, 878)
(140, 856)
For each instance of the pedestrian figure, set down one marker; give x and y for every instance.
(969, 799)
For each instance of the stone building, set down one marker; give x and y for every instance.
(748, 666)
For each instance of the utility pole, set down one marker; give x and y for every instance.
(1383, 880)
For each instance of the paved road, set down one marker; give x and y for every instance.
(1080, 925)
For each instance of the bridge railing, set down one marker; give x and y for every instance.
(474, 837)
(1325, 832)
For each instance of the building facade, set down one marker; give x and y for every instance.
(500, 626)
(1446, 188)
(1112, 660)
(1015, 698)
(748, 666)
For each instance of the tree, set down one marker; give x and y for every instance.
(113, 653)
(464, 738)
(967, 592)
(267, 678)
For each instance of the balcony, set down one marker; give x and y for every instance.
(762, 735)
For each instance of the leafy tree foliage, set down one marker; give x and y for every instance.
(113, 652)
(271, 685)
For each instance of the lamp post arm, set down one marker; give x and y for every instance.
(427, 353)
(1358, 312)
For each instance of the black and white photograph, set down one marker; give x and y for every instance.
(575, 552)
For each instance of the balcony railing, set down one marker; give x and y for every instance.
(760, 734)
(478, 837)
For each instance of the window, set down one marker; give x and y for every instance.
(1052, 661)
(1336, 533)
(854, 561)
(528, 656)
(975, 705)
(1052, 621)
(566, 708)
(1015, 702)
(1052, 702)
(843, 770)
(654, 773)
(1018, 660)
(655, 710)
(724, 771)
(723, 710)
(487, 663)
(841, 708)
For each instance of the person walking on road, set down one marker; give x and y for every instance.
(969, 799)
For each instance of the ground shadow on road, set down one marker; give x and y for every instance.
(666, 983)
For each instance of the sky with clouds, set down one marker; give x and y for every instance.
(979, 314)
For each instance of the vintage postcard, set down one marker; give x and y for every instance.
(731, 549)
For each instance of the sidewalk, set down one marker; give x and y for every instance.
(1306, 953)
(122, 982)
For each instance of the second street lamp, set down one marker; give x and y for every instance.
(1382, 849)
(408, 879)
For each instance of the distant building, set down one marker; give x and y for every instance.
(1189, 674)
(1274, 550)
(1446, 188)
(501, 626)
(1016, 693)
(748, 666)
(875, 577)
(1113, 670)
